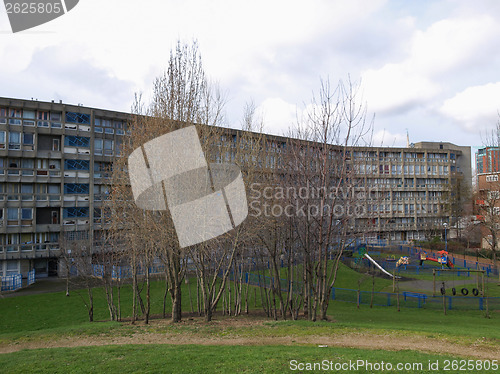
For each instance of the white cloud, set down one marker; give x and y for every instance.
(411, 56)
(475, 107)
(278, 115)
(397, 87)
(385, 138)
(434, 55)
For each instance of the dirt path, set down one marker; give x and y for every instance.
(388, 341)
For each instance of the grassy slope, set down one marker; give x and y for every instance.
(201, 359)
(52, 315)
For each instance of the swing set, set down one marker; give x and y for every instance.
(464, 291)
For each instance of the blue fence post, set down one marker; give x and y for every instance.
(333, 293)
(480, 303)
(388, 299)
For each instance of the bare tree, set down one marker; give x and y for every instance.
(323, 164)
(77, 254)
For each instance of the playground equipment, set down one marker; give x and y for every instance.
(378, 266)
(442, 259)
(464, 290)
(405, 260)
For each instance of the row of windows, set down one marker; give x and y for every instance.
(406, 208)
(16, 139)
(69, 188)
(406, 169)
(42, 118)
(42, 163)
(13, 215)
(28, 238)
(101, 146)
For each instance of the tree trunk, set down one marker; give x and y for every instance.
(91, 304)
(148, 298)
(165, 297)
(176, 303)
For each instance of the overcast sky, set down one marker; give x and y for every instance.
(431, 68)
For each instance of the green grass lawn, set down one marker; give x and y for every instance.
(211, 359)
(51, 316)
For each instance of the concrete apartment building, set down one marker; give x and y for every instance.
(53, 158)
(415, 184)
(52, 181)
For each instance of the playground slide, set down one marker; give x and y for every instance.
(377, 265)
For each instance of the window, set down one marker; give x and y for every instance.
(76, 235)
(27, 191)
(54, 217)
(55, 164)
(12, 267)
(29, 114)
(77, 141)
(97, 215)
(98, 145)
(54, 189)
(26, 213)
(14, 140)
(75, 212)
(81, 118)
(12, 214)
(3, 114)
(76, 165)
(28, 138)
(56, 145)
(99, 168)
(43, 119)
(42, 163)
(76, 188)
(2, 139)
(493, 195)
(28, 141)
(43, 115)
(108, 146)
(12, 191)
(16, 113)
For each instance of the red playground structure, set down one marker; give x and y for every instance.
(442, 259)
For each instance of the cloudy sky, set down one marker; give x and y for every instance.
(429, 67)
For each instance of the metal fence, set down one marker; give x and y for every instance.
(12, 282)
(406, 299)
(415, 300)
(123, 272)
(31, 277)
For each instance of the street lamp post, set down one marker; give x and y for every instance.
(445, 238)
